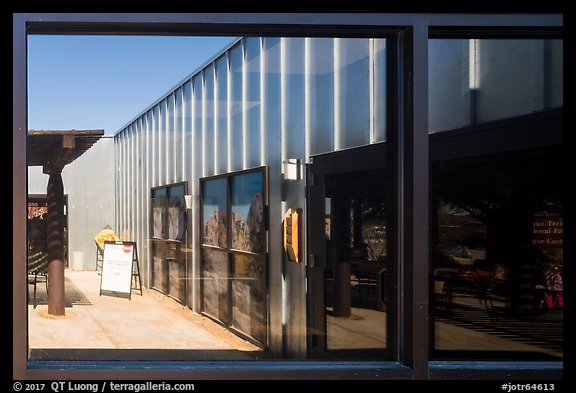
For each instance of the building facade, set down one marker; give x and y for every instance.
(226, 137)
(381, 192)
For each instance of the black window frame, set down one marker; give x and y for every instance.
(231, 252)
(153, 190)
(479, 139)
(412, 32)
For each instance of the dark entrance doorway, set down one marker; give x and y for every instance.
(351, 268)
(38, 227)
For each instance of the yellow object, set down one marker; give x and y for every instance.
(105, 234)
(292, 234)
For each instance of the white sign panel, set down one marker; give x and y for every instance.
(117, 267)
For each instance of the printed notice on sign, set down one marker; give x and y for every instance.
(117, 267)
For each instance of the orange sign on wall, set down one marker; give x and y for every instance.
(292, 234)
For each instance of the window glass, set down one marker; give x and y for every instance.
(352, 91)
(214, 213)
(248, 226)
(188, 182)
(215, 292)
(249, 295)
(497, 205)
(481, 80)
(234, 290)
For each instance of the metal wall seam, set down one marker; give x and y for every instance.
(337, 93)
(372, 87)
(216, 132)
(229, 103)
(216, 124)
(283, 88)
(155, 147)
(140, 187)
(244, 147)
(162, 134)
(148, 182)
(131, 194)
(117, 163)
(222, 119)
(174, 121)
(169, 132)
(135, 184)
(307, 99)
(262, 84)
(125, 170)
(196, 174)
(203, 122)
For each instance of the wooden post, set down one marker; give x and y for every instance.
(55, 198)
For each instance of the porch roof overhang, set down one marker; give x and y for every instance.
(54, 149)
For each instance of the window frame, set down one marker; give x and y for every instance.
(232, 252)
(411, 147)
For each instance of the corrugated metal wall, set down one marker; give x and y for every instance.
(260, 101)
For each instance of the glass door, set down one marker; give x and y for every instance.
(352, 267)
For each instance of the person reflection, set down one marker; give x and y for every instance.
(553, 284)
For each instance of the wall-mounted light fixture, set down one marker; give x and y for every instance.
(188, 201)
(292, 169)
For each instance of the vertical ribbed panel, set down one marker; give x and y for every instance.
(196, 169)
(221, 116)
(271, 126)
(262, 101)
(131, 183)
(319, 76)
(292, 111)
(378, 83)
(208, 121)
(187, 131)
(161, 124)
(251, 102)
(146, 195)
(178, 119)
(156, 143)
(235, 101)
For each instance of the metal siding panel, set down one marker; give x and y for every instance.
(196, 174)
(293, 141)
(272, 158)
(235, 130)
(178, 149)
(319, 95)
(208, 121)
(251, 102)
(221, 115)
(149, 182)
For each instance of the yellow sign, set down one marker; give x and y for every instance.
(105, 234)
(291, 234)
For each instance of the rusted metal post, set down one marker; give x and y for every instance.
(56, 289)
(342, 266)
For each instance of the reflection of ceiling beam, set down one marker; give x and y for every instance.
(62, 154)
(54, 149)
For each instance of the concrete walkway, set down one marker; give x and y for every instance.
(148, 327)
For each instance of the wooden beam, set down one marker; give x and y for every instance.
(65, 132)
(68, 141)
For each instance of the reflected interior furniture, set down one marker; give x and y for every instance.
(485, 289)
(37, 271)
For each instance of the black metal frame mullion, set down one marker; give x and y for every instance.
(413, 197)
